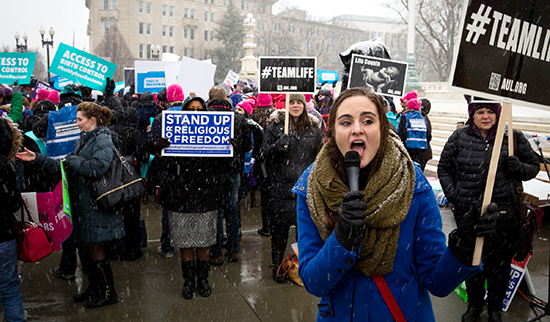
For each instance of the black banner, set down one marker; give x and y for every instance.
(129, 76)
(504, 51)
(386, 77)
(287, 75)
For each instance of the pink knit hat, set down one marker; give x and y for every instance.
(409, 96)
(264, 100)
(53, 97)
(174, 92)
(414, 104)
(308, 97)
(246, 105)
(42, 94)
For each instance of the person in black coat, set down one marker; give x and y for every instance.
(132, 148)
(462, 171)
(12, 301)
(286, 157)
(191, 193)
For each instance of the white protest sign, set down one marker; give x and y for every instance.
(196, 76)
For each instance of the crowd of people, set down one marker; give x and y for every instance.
(350, 242)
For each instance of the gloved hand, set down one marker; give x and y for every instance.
(284, 141)
(462, 240)
(514, 166)
(161, 144)
(109, 87)
(351, 224)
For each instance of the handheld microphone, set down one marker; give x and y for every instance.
(352, 162)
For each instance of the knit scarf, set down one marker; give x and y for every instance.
(388, 196)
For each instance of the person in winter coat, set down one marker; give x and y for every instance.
(10, 296)
(387, 232)
(260, 115)
(132, 148)
(324, 101)
(413, 131)
(191, 192)
(425, 110)
(286, 156)
(231, 181)
(93, 227)
(462, 171)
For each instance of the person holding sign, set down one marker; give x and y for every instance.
(286, 156)
(462, 171)
(381, 242)
(191, 193)
(92, 227)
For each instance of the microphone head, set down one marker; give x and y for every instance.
(352, 159)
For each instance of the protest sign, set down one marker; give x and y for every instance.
(47, 210)
(198, 134)
(196, 76)
(386, 77)
(60, 82)
(171, 73)
(62, 132)
(81, 67)
(327, 77)
(287, 75)
(41, 85)
(129, 76)
(504, 52)
(517, 272)
(16, 67)
(231, 77)
(150, 76)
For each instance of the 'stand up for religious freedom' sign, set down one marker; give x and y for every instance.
(504, 51)
(81, 67)
(386, 77)
(203, 134)
(287, 75)
(16, 67)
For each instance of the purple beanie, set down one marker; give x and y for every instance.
(472, 107)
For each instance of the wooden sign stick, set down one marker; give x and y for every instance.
(505, 115)
(287, 113)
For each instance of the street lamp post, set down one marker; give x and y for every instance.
(48, 44)
(21, 48)
(155, 57)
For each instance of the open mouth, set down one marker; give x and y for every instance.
(358, 146)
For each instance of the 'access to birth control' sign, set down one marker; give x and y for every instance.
(287, 75)
(16, 67)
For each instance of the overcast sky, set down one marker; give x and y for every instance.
(66, 16)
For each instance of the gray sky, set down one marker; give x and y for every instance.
(68, 15)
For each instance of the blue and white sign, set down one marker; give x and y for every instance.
(149, 76)
(517, 272)
(62, 132)
(327, 76)
(60, 82)
(198, 134)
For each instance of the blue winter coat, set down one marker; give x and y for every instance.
(423, 264)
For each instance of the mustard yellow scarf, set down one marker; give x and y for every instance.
(388, 196)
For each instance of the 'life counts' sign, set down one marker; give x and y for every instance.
(287, 75)
(386, 77)
(81, 67)
(198, 134)
(504, 51)
(16, 67)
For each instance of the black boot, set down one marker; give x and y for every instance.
(472, 313)
(106, 285)
(93, 287)
(202, 278)
(188, 273)
(278, 246)
(495, 309)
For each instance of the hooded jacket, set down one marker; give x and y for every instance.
(131, 140)
(10, 141)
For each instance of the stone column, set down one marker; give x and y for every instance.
(250, 63)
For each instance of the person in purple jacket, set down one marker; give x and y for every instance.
(387, 232)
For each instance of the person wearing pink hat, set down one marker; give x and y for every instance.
(53, 97)
(413, 131)
(174, 93)
(244, 106)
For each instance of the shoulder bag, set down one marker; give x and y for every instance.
(121, 184)
(33, 243)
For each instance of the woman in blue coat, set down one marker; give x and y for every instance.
(388, 231)
(92, 157)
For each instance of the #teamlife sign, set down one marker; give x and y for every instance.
(16, 67)
(198, 134)
(504, 51)
(287, 75)
(386, 77)
(82, 67)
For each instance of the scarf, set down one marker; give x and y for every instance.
(388, 196)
